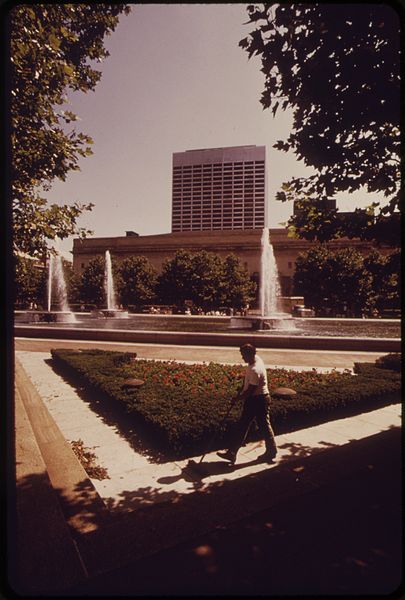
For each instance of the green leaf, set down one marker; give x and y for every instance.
(68, 69)
(50, 46)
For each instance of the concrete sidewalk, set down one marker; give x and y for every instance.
(272, 356)
(342, 538)
(141, 512)
(136, 479)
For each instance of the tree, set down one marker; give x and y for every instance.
(30, 282)
(136, 281)
(53, 49)
(394, 270)
(315, 221)
(333, 282)
(174, 281)
(73, 282)
(238, 289)
(191, 276)
(205, 279)
(384, 272)
(92, 282)
(337, 67)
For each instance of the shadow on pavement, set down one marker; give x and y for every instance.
(343, 538)
(104, 407)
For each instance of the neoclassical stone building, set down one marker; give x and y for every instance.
(246, 244)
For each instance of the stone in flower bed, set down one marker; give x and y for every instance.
(283, 392)
(180, 406)
(133, 382)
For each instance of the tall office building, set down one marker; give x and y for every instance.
(219, 188)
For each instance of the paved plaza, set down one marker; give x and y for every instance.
(144, 508)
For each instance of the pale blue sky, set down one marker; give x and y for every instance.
(175, 80)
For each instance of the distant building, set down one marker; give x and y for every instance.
(245, 244)
(219, 189)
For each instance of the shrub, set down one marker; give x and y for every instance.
(390, 361)
(182, 406)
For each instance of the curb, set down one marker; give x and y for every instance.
(86, 511)
(45, 558)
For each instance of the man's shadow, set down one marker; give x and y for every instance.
(195, 472)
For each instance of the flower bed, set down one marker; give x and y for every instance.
(181, 406)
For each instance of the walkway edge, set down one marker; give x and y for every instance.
(82, 506)
(45, 557)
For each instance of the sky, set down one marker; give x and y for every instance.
(175, 80)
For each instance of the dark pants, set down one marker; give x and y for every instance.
(255, 407)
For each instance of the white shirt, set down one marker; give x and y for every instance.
(256, 375)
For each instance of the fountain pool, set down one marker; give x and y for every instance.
(310, 334)
(304, 327)
(269, 329)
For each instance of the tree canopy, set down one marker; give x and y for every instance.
(333, 280)
(91, 287)
(385, 274)
(136, 281)
(238, 289)
(205, 279)
(30, 282)
(174, 282)
(345, 280)
(191, 276)
(53, 49)
(338, 68)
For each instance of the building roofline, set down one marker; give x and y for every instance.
(223, 148)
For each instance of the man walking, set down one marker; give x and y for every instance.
(256, 396)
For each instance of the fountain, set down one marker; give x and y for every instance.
(376, 335)
(269, 290)
(321, 334)
(58, 308)
(112, 310)
(109, 283)
(57, 293)
(271, 317)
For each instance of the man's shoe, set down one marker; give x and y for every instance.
(267, 456)
(227, 455)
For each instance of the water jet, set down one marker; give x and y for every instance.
(58, 310)
(112, 311)
(271, 316)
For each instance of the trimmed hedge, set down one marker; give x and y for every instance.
(390, 361)
(180, 407)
